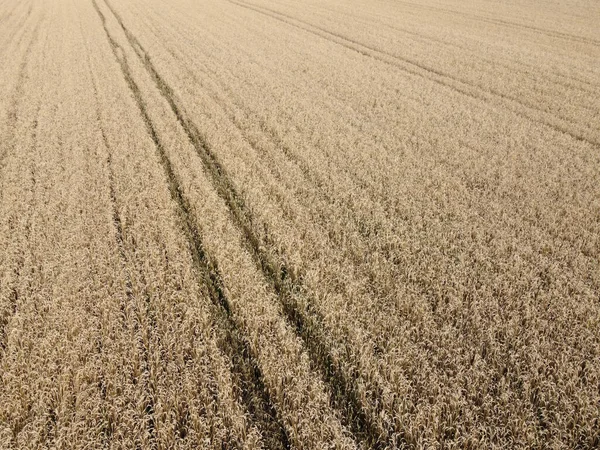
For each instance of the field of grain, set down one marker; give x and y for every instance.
(314, 224)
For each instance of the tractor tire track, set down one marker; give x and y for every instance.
(582, 134)
(268, 132)
(543, 31)
(246, 370)
(511, 65)
(308, 325)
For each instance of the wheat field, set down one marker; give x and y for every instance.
(309, 224)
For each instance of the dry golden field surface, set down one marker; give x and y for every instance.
(299, 224)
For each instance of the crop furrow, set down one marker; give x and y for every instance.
(245, 369)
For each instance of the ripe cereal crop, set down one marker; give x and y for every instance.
(312, 224)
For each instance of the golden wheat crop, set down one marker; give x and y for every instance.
(299, 224)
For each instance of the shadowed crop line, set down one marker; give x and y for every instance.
(430, 74)
(309, 326)
(246, 371)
